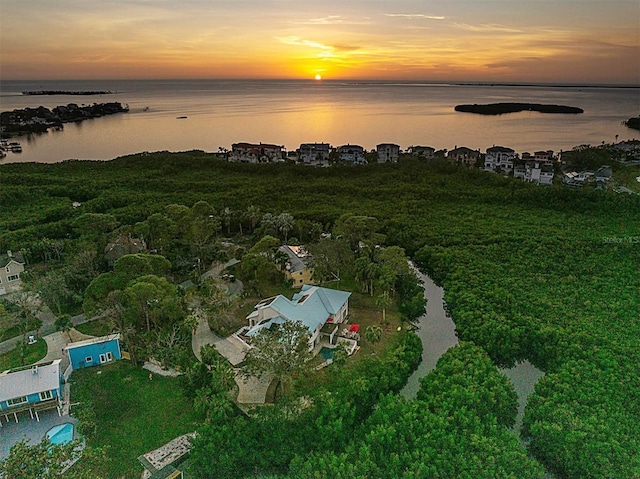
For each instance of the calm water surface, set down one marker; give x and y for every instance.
(288, 113)
(437, 331)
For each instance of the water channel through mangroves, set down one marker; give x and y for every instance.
(437, 331)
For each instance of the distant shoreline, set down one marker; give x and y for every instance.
(67, 92)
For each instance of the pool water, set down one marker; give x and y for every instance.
(327, 353)
(61, 434)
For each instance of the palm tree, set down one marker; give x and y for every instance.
(284, 222)
(226, 215)
(383, 302)
(253, 215)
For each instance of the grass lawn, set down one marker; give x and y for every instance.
(627, 177)
(134, 415)
(17, 329)
(98, 327)
(33, 353)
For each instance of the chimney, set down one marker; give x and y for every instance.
(9, 254)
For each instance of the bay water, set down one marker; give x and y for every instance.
(290, 112)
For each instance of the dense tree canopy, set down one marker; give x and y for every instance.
(545, 274)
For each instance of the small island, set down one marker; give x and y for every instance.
(633, 123)
(39, 120)
(67, 92)
(502, 108)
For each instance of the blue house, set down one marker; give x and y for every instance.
(94, 351)
(34, 388)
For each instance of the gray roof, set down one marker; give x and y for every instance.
(296, 262)
(5, 259)
(86, 342)
(33, 380)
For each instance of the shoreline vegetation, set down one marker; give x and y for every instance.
(633, 123)
(68, 92)
(39, 120)
(502, 108)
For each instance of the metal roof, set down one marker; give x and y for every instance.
(33, 380)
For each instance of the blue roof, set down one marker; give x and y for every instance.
(312, 306)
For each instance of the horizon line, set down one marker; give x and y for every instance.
(523, 83)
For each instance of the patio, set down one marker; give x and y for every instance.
(30, 429)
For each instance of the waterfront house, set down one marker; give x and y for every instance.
(256, 153)
(463, 156)
(499, 159)
(33, 388)
(123, 245)
(11, 266)
(427, 152)
(313, 306)
(94, 351)
(310, 153)
(352, 154)
(388, 152)
(297, 269)
(535, 171)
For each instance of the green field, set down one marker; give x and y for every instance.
(134, 414)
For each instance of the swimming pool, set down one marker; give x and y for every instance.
(327, 353)
(61, 434)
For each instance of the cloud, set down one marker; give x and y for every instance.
(333, 20)
(415, 15)
(301, 42)
(488, 28)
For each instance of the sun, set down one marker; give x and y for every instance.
(318, 77)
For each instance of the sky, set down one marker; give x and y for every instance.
(552, 41)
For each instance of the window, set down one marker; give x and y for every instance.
(88, 359)
(16, 401)
(44, 395)
(105, 358)
(13, 277)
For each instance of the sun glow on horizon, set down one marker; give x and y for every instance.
(318, 77)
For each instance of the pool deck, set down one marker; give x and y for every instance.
(12, 432)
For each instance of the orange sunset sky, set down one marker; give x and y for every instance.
(577, 41)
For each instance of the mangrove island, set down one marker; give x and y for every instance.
(501, 108)
(39, 120)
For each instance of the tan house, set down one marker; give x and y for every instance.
(463, 156)
(11, 266)
(388, 152)
(297, 269)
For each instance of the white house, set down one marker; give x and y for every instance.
(388, 152)
(11, 266)
(314, 152)
(313, 306)
(352, 154)
(499, 159)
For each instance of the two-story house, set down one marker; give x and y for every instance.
(463, 156)
(256, 153)
(427, 152)
(388, 152)
(33, 388)
(11, 266)
(352, 154)
(313, 306)
(499, 159)
(311, 153)
(297, 269)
